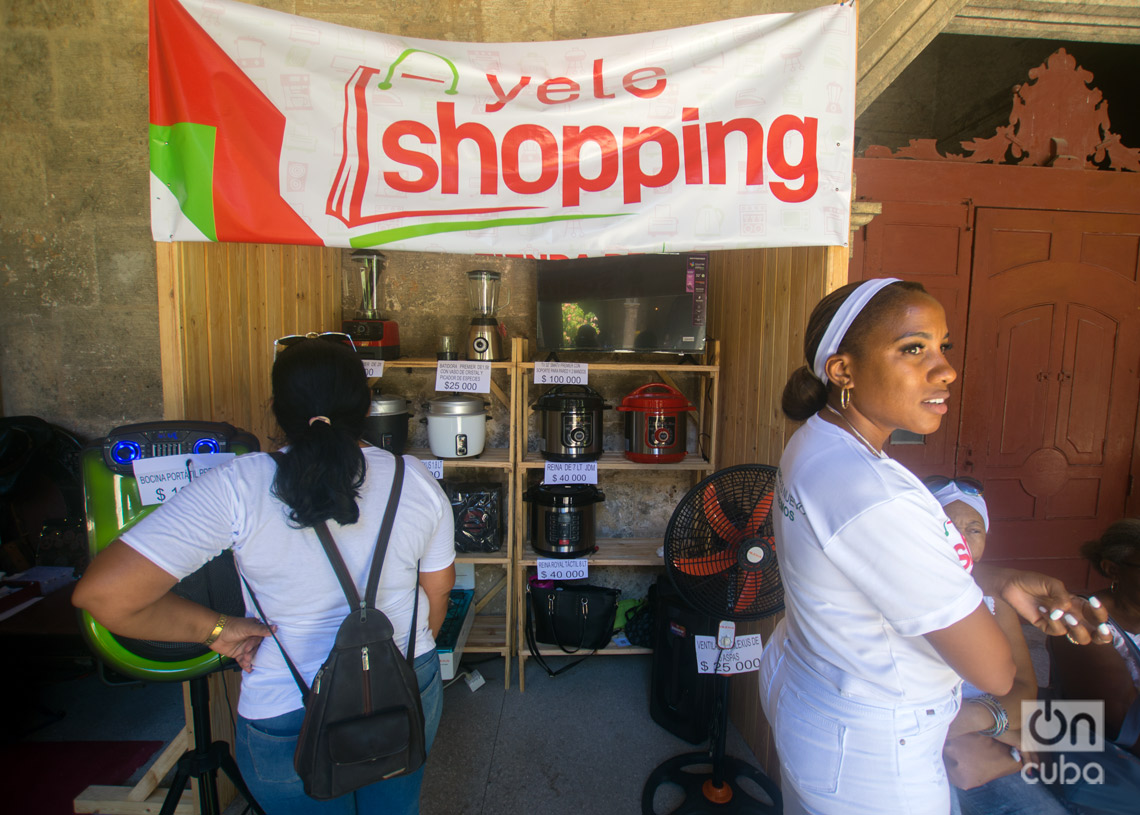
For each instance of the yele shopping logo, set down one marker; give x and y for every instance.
(1056, 731)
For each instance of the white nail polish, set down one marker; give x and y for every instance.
(1094, 602)
(1071, 620)
(1056, 614)
(1043, 610)
(1104, 630)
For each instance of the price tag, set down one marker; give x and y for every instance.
(463, 377)
(373, 368)
(559, 569)
(570, 472)
(742, 657)
(560, 373)
(435, 467)
(161, 477)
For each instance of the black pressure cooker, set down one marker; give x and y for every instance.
(387, 422)
(570, 423)
(562, 518)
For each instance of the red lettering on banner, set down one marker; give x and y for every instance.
(548, 147)
(629, 82)
(599, 80)
(497, 89)
(450, 135)
(560, 84)
(633, 179)
(429, 172)
(574, 182)
(753, 132)
(807, 169)
(691, 142)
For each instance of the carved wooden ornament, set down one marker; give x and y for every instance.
(1058, 120)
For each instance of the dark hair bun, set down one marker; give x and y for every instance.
(804, 395)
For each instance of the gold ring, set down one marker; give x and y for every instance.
(1069, 637)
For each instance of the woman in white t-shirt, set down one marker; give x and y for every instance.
(860, 680)
(265, 513)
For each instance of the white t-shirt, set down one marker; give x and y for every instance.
(868, 563)
(287, 567)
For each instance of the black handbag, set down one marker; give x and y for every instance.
(573, 617)
(364, 720)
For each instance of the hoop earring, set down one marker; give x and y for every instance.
(845, 398)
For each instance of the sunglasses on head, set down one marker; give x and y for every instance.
(331, 336)
(970, 486)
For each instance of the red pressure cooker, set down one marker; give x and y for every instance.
(656, 424)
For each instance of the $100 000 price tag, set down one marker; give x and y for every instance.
(560, 373)
(559, 569)
(742, 657)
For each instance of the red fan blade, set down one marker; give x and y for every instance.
(759, 515)
(706, 565)
(749, 590)
(723, 527)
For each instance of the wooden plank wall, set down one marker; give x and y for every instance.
(759, 304)
(220, 308)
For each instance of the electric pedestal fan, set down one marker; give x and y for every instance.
(720, 555)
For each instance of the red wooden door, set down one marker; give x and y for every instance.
(1052, 378)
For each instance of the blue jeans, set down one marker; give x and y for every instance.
(1009, 795)
(265, 747)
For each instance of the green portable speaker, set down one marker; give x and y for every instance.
(113, 504)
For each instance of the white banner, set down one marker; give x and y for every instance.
(730, 134)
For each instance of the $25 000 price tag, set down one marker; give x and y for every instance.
(570, 472)
(742, 657)
(463, 377)
(161, 477)
(559, 569)
(560, 373)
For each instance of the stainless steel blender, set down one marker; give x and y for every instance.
(485, 337)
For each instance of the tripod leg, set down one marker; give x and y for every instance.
(174, 795)
(230, 768)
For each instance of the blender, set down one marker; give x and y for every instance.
(374, 337)
(485, 337)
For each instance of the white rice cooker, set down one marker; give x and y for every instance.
(457, 425)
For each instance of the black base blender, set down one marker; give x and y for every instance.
(485, 336)
(375, 338)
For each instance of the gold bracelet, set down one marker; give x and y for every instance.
(217, 632)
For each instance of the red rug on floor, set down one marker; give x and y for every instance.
(43, 777)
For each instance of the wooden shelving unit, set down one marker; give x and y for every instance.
(628, 552)
(490, 633)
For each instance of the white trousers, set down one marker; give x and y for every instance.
(839, 756)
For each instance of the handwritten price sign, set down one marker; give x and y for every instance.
(742, 657)
(570, 472)
(560, 373)
(558, 569)
(463, 377)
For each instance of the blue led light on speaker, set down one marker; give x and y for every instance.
(124, 452)
(207, 446)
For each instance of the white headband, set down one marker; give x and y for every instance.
(837, 328)
(950, 493)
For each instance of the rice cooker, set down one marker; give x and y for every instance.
(570, 423)
(656, 424)
(457, 425)
(387, 422)
(562, 518)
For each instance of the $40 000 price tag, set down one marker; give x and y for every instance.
(560, 373)
(463, 377)
(559, 569)
(742, 657)
(570, 472)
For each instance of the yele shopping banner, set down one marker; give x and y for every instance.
(271, 128)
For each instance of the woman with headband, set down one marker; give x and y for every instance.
(860, 680)
(981, 752)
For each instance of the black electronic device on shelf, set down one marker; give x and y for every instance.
(478, 516)
(721, 556)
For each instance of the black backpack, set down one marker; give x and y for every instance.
(364, 720)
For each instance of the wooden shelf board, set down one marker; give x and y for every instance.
(483, 558)
(609, 650)
(617, 367)
(488, 634)
(612, 552)
(613, 460)
(410, 362)
(499, 457)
